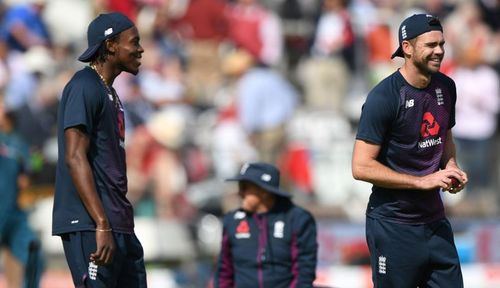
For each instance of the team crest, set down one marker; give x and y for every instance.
(279, 228)
(382, 265)
(439, 96)
(93, 271)
(243, 230)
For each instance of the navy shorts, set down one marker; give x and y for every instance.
(126, 270)
(411, 255)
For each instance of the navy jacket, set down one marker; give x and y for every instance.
(274, 249)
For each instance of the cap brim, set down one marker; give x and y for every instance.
(398, 53)
(268, 188)
(87, 55)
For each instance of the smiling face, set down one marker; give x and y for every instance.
(128, 51)
(426, 52)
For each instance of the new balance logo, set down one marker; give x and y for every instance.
(382, 268)
(410, 103)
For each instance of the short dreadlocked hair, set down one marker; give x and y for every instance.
(102, 53)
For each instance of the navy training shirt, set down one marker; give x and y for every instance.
(85, 102)
(411, 126)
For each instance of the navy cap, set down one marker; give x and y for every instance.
(264, 175)
(101, 28)
(414, 26)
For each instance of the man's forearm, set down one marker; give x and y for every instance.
(84, 182)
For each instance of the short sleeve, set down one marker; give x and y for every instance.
(377, 115)
(81, 107)
(453, 93)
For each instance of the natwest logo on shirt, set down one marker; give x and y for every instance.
(430, 127)
(243, 230)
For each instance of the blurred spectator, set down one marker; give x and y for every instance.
(438, 8)
(490, 10)
(67, 30)
(202, 20)
(230, 145)
(154, 165)
(23, 26)
(202, 27)
(298, 18)
(19, 83)
(33, 95)
(137, 108)
(22, 247)
(490, 13)
(128, 7)
(465, 27)
(478, 104)
(334, 34)
(155, 20)
(265, 102)
(162, 80)
(325, 75)
(256, 29)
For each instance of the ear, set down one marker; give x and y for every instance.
(111, 46)
(407, 47)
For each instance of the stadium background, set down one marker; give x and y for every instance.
(189, 83)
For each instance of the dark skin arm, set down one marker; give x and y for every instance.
(77, 146)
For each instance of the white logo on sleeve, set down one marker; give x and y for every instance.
(382, 266)
(93, 270)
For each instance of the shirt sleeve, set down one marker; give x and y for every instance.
(377, 115)
(453, 91)
(224, 275)
(82, 106)
(304, 251)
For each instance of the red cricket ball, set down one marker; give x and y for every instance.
(454, 183)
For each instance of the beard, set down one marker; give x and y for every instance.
(425, 67)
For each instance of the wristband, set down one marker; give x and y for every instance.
(103, 230)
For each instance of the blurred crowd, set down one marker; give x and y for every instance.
(226, 82)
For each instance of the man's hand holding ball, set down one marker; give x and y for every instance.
(454, 186)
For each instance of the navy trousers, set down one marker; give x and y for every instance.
(413, 255)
